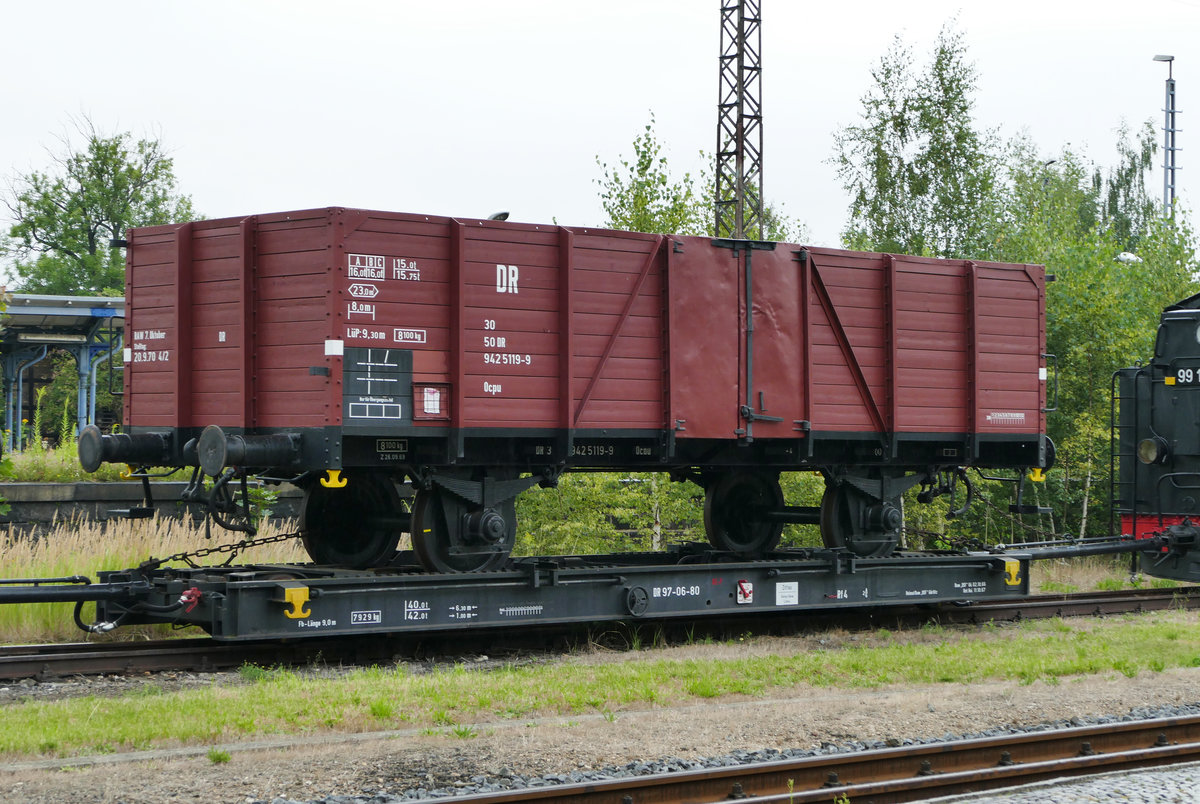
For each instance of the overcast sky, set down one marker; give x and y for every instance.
(466, 107)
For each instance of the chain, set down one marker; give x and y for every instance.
(232, 549)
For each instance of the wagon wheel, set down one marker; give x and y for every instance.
(484, 536)
(357, 526)
(733, 508)
(855, 521)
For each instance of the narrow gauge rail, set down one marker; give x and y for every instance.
(911, 773)
(126, 658)
(208, 655)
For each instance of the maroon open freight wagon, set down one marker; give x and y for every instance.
(462, 361)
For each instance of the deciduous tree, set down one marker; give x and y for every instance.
(641, 194)
(67, 215)
(920, 174)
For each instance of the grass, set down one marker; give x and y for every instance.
(1089, 574)
(85, 548)
(442, 701)
(57, 465)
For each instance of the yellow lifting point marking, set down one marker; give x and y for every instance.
(1012, 573)
(1037, 475)
(333, 479)
(297, 598)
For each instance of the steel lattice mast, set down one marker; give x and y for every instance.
(739, 191)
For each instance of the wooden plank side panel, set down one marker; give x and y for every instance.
(1016, 322)
(282, 313)
(287, 379)
(203, 284)
(485, 297)
(848, 343)
(292, 266)
(216, 241)
(931, 346)
(617, 331)
(626, 413)
(836, 403)
(605, 241)
(150, 251)
(528, 256)
(373, 222)
(295, 236)
(645, 367)
(217, 316)
(219, 273)
(158, 318)
(216, 287)
(1011, 338)
(299, 408)
(934, 419)
(291, 356)
(1008, 290)
(506, 275)
(826, 349)
(292, 283)
(834, 410)
(425, 245)
(155, 382)
(153, 408)
(210, 402)
(158, 263)
(516, 413)
(511, 329)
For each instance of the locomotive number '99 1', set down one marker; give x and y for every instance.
(414, 374)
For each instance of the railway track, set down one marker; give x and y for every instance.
(208, 655)
(910, 773)
(127, 658)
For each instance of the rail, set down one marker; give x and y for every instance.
(910, 773)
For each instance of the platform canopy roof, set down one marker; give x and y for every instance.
(58, 320)
(32, 326)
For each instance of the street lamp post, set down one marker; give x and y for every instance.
(1169, 132)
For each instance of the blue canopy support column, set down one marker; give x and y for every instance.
(16, 363)
(100, 353)
(90, 328)
(99, 345)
